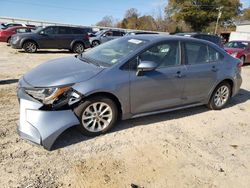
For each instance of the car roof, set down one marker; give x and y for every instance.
(19, 27)
(157, 37)
(193, 34)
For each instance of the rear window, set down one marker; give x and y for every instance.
(78, 31)
(64, 30)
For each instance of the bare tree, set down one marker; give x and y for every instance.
(107, 21)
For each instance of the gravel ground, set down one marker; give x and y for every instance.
(187, 148)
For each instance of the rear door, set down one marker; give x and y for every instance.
(202, 66)
(64, 37)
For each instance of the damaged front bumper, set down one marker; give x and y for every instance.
(42, 126)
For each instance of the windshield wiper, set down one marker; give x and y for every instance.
(88, 60)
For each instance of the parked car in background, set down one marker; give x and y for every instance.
(204, 36)
(2, 26)
(8, 25)
(5, 35)
(239, 49)
(52, 37)
(104, 36)
(129, 77)
(139, 33)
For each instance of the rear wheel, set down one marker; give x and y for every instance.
(30, 47)
(220, 96)
(95, 43)
(78, 48)
(97, 115)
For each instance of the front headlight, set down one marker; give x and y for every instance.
(234, 54)
(46, 95)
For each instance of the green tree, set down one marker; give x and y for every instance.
(199, 14)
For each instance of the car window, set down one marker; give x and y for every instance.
(242, 45)
(117, 33)
(166, 54)
(64, 30)
(21, 30)
(109, 33)
(196, 53)
(214, 55)
(112, 52)
(78, 31)
(50, 30)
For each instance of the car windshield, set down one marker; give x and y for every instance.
(241, 45)
(112, 52)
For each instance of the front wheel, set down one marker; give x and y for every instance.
(30, 47)
(97, 116)
(220, 96)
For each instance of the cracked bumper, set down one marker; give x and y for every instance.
(43, 127)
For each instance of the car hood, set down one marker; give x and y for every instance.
(60, 72)
(233, 50)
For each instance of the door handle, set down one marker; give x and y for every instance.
(214, 69)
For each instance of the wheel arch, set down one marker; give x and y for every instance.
(76, 41)
(228, 80)
(31, 40)
(110, 96)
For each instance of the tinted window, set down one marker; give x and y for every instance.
(214, 55)
(242, 45)
(64, 30)
(116, 33)
(50, 30)
(196, 53)
(167, 54)
(78, 31)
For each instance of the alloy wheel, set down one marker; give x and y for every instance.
(30, 47)
(221, 96)
(97, 116)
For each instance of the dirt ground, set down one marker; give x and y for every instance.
(187, 148)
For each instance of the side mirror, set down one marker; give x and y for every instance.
(145, 66)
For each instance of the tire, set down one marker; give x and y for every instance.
(8, 41)
(220, 96)
(243, 59)
(99, 121)
(30, 47)
(78, 48)
(95, 43)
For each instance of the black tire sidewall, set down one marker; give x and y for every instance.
(24, 47)
(80, 109)
(211, 102)
(95, 42)
(75, 46)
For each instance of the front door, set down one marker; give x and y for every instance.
(161, 88)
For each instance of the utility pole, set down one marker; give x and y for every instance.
(218, 18)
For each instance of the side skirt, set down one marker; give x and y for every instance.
(166, 110)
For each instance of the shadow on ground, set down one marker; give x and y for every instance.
(50, 52)
(8, 81)
(73, 136)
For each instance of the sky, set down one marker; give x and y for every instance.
(84, 12)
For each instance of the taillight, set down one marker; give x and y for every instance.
(87, 37)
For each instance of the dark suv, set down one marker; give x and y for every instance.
(52, 37)
(204, 36)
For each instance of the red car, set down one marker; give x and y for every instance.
(6, 34)
(239, 49)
